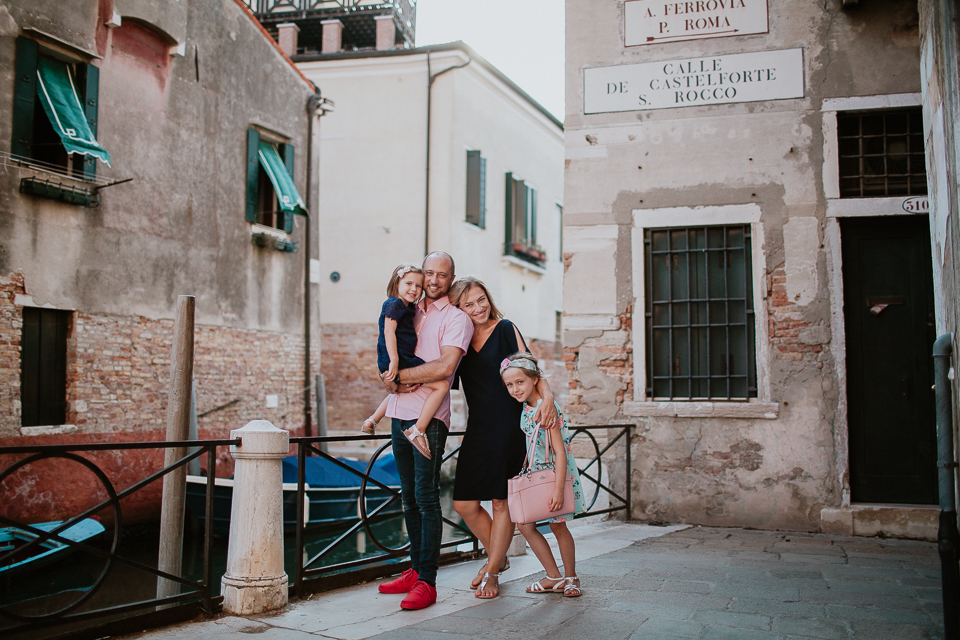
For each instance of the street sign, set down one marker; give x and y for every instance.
(659, 21)
(740, 77)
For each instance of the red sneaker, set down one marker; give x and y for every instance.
(421, 596)
(403, 584)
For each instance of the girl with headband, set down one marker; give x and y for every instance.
(395, 350)
(521, 374)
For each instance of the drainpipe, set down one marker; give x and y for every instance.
(431, 77)
(315, 103)
(948, 538)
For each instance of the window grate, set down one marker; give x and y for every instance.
(699, 314)
(881, 153)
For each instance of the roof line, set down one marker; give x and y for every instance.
(266, 34)
(459, 45)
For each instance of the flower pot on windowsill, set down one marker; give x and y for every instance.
(531, 254)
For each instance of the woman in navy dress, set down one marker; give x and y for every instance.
(493, 448)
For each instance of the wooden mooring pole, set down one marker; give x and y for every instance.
(178, 425)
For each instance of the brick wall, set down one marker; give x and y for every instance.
(791, 337)
(118, 370)
(349, 366)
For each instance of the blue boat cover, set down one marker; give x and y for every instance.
(321, 472)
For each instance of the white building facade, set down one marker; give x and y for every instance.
(487, 140)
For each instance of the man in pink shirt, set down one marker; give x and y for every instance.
(443, 336)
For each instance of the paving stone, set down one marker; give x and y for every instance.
(763, 590)
(547, 613)
(877, 614)
(729, 633)
(811, 627)
(414, 633)
(775, 608)
(687, 586)
(855, 599)
(648, 610)
(669, 627)
(497, 608)
(892, 631)
(597, 623)
(734, 619)
(693, 600)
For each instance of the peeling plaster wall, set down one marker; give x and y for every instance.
(774, 462)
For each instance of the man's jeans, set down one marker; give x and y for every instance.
(420, 491)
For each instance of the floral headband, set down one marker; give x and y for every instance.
(404, 270)
(519, 363)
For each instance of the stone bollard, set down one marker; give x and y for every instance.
(255, 581)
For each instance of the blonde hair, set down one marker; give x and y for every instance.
(464, 285)
(393, 287)
(534, 373)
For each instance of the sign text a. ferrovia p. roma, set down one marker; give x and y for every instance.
(660, 21)
(692, 82)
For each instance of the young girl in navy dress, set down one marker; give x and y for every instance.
(395, 350)
(520, 372)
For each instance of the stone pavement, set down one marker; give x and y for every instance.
(654, 583)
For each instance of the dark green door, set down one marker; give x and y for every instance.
(888, 312)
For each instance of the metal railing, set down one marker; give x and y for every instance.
(312, 575)
(161, 610)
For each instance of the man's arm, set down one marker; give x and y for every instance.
(439, 369)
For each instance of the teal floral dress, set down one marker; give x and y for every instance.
(540, 457)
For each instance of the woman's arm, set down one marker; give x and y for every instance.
(559, 465)
(546, 415)
(390, 338)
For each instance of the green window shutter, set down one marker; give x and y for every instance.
(532, 213)
(483, 193)
(25, 93)
(520, 212)
(508, 212)
(288, 162)
(91, 103)
(473, 187)
(253, 173)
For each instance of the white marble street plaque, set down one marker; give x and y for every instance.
(691, 82)
(659, 21)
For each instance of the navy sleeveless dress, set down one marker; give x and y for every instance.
(403, 314)
(494, 445)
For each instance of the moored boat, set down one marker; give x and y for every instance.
(16, 559)
(332, 493)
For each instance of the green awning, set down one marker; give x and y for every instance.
(58, 95)
(287, 194)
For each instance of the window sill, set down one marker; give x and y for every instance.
(522, 264)
(756, 410)
(263, 236)
(51, 430)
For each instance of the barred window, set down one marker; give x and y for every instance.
(881, 153)
(699, 314)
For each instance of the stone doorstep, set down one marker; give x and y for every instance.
(893, 520)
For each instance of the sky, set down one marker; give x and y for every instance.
(521, 38)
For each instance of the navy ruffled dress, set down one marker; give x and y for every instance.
(403, 314)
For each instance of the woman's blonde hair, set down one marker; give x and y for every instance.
(464, 285)
(393, 287)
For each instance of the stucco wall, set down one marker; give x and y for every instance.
(374, 151)
(773, 462)
(180, 83)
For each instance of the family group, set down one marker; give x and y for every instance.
(438, 333)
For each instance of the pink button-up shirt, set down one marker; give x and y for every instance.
(438, 325)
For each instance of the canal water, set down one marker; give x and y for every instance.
(51, 588)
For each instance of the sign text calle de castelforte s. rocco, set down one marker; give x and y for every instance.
(659, 21)
(740, 77)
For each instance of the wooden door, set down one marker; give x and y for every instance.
(888, 313)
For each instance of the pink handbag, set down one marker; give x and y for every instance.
(528, 494)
